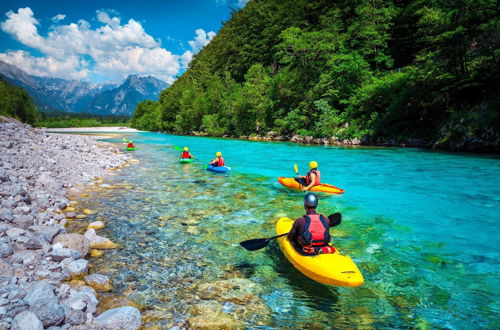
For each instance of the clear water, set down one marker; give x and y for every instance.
(422, 226)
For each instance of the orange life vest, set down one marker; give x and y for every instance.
(185, 154)
(130, 145)
(308, 177)
(316, 232)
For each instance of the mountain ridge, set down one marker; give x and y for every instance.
(75, 96)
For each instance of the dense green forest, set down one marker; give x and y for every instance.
(65, 119)
(16, 103)
(425, 71)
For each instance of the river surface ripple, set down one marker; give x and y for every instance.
(421, 225)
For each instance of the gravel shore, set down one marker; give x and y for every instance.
(37, 256)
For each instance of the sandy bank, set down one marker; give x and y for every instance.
(114, 129)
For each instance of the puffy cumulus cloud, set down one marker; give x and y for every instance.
(201, 39)
(58, 17)
(140, 60)
(72, 67)
(116, 49)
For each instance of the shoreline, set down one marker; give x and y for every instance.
(45, 280)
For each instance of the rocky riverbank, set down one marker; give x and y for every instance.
(487, 142)
(44, 273)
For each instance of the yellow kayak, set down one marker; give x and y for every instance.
(333, 269)
(324, 187)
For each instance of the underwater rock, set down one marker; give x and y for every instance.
(193, 230)
(209, 315)
(236, 290)
(98, 282)
(94, 253)
(88, 211)
(110, 302)
(81, 216)
(96, 225)
(126, 318)
(99, 242)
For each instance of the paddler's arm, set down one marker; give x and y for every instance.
(295, 228)
(313, 180)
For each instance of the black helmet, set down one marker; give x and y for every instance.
(311, 200)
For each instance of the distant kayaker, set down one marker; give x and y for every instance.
(130, 144)
(310, 233)
(186, 154)
(312, 178)
(218, 160)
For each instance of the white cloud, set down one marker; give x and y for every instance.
(242, 3)
(116, 50)
(202, 39)
(58, 17)
(71, 67)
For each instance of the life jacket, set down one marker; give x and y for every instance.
(316, 232)
(220, 162)
(308, 177)
(185, 154)
(130, 145)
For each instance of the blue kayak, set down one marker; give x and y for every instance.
(218, 169)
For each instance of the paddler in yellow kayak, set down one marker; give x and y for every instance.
(311, 179)
(310, 234)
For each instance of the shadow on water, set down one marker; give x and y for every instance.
(316, 295)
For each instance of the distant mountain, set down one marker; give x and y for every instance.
(58, 94)
(123, 99)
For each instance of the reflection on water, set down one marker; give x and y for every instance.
(179, 227)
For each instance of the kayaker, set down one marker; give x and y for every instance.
(130, 144)
(218, 160)
(310, 233)
(312, 178)
(186, 154)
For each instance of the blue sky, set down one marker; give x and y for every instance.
(107, 40)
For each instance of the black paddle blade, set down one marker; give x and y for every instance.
(255, 244)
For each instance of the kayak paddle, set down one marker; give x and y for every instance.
(296, 169)
(177, 148)
(259, 243)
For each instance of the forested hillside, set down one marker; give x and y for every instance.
(16, 103)
(422, 72)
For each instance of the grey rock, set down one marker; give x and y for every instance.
(74, 241)
(34, 243)
(6, 215)
(18, 190)
(6, 270)
(76, 317)
(39, 290)
(47, 232)
(23, 221)
(49, 311)
(78, 267)
(5, 250)
(127, 318)
(9, 202)
(16, 294)
(3, 229)
(26, 321)
(59, 254)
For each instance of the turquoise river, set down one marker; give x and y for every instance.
(422, 226)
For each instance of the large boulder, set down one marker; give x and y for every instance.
(26, 321)
(125, 318)
(49, 311)
(58, 254)
(47, 232)
(39, 290)
(74, 241)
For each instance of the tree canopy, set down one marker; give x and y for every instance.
(373, 70)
